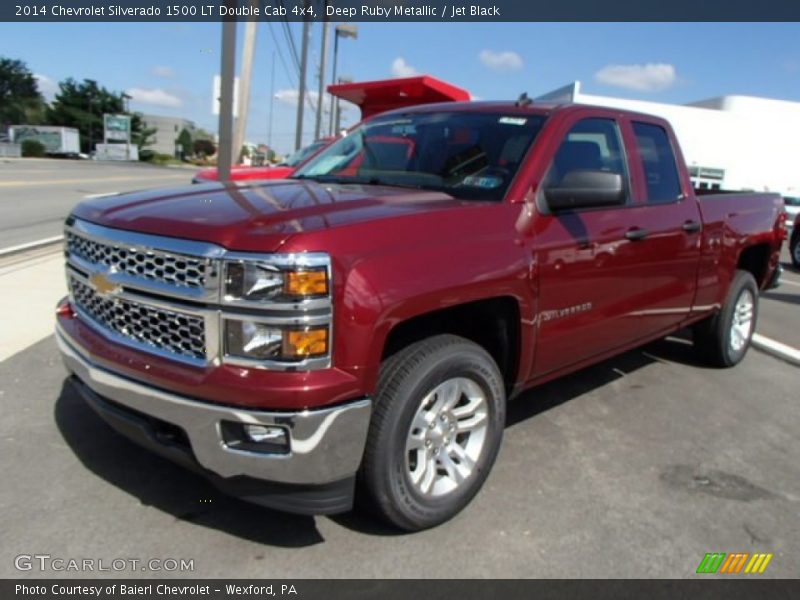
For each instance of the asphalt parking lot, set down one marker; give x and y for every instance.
(635, 467)
(37, 194)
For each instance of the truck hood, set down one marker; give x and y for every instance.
(259, 216)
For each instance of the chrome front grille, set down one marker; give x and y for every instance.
(154, 265)
(178, 333)
(164, 295)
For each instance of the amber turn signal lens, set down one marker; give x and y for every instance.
(303, 344)
(307, 283)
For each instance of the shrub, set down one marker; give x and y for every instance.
(32, 148)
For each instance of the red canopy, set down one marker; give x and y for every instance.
(386, 94)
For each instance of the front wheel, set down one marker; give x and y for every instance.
(435, 431)
(723, 339)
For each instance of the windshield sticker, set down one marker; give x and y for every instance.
(487, 183)
(512, 120)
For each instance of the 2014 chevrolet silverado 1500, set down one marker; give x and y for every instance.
(356, 330)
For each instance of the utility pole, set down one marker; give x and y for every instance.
(301, 97)
(322, 63)
(245, 77)
(227, 67)
(271, 101)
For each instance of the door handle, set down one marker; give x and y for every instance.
(635, 234)
(692, 226)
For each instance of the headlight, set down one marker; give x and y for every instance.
(283, 310)
(253, 340)
(251, 281)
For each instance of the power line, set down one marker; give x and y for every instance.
(289, 76)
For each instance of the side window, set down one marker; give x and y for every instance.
(591, 144)
(658, 160)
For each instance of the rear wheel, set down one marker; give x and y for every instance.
(435, 431)
(724, 339)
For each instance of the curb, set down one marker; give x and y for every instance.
(12, 250)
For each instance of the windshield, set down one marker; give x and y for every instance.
(299, 156)
(469, 155)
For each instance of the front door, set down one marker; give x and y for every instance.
(588, 268)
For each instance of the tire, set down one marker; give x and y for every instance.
(412, 476)
(794, 248)
(723, 340)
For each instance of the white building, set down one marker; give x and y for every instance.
(731, 142)
(167, 131)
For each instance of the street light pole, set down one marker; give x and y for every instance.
(301, 96)
(342, 79)
(343, 30)
(335, 61)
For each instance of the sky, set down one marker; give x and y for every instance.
(168, 67)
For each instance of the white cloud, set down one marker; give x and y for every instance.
(156, 97)
(501, 61)
(46, 86)
(400, 68)
(290, 96)
(164, 71)
(652, 77)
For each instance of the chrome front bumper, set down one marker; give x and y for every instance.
(325, 445)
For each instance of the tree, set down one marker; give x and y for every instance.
(185, 141)
(82, 104)
(204, 147)
(20, 99)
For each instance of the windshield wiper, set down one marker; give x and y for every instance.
(368, 181)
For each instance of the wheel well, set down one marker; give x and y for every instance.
(755, 260)
(492, 324)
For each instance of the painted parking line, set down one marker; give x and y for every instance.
(30, 245)
(777, 349)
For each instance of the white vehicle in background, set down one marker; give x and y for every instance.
(57, 141)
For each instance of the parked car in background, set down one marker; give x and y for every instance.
(280, 171)
(792, 207)
(372, 98)
(794, 243)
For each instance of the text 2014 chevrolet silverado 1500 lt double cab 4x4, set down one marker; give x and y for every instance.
(358, 328)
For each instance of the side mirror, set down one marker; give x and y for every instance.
(584, 188)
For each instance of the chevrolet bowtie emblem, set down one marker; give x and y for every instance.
(103, 285)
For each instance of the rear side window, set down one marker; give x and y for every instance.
(658, 160)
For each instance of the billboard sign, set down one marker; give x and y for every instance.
(117, 128)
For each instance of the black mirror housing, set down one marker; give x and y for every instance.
(585, 188)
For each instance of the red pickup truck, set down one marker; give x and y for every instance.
(360, 327)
